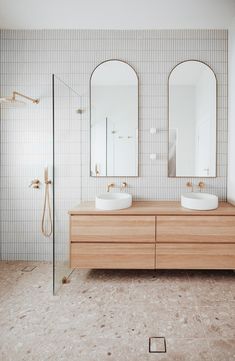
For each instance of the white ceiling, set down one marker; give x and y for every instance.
(116, 14)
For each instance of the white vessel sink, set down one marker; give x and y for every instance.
(113, 201)
(199, 201)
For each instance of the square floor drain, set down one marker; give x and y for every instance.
(157, 345)
(28, 268)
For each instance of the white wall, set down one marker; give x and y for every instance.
(231, 118)
(27, 60)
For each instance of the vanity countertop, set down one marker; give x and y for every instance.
(154, 208)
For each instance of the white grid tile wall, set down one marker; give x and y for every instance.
(28, 58)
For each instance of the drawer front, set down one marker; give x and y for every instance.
(199, 229)
(195, 256)
(112, 256)
(113, 228)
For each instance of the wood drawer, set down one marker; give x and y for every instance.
(195, 256)
(199, 229)
(111, 255)
(112, 228)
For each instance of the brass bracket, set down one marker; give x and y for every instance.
(65, 280)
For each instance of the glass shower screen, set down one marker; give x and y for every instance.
(66, 173)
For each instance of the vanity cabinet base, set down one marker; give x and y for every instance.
(112, 229)
(195, 256)
(113, 255)
(153, 235)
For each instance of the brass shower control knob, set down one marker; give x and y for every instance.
(35, 183)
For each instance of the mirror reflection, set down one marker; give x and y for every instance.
(192, 121)
(114, 120)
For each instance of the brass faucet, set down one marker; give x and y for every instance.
(110, 185)
(124, 185)
(189, 185)
(201, 185)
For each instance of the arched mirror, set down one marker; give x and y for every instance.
(114, 120)
(192, 120)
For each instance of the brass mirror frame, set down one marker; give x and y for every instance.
(216, 118)
(138, 112)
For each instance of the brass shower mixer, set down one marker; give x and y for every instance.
(35, 183)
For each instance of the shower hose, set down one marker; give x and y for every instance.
(46, 205)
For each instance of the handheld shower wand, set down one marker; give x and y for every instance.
(46, 205)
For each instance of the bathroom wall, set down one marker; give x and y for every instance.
(231, 122)
(28, 58)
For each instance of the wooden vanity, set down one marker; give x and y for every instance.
(152, 235)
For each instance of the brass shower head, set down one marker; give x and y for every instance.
(12, 99)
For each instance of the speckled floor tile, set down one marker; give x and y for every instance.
(110, 315)
(212, 285)
(222, 349)
(218, 320)
(132, 286)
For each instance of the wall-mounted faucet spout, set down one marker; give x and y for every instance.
(110, 185)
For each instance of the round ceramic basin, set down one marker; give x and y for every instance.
(113, 201)
(199, 201)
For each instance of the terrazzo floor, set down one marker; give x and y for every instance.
(110, 315)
